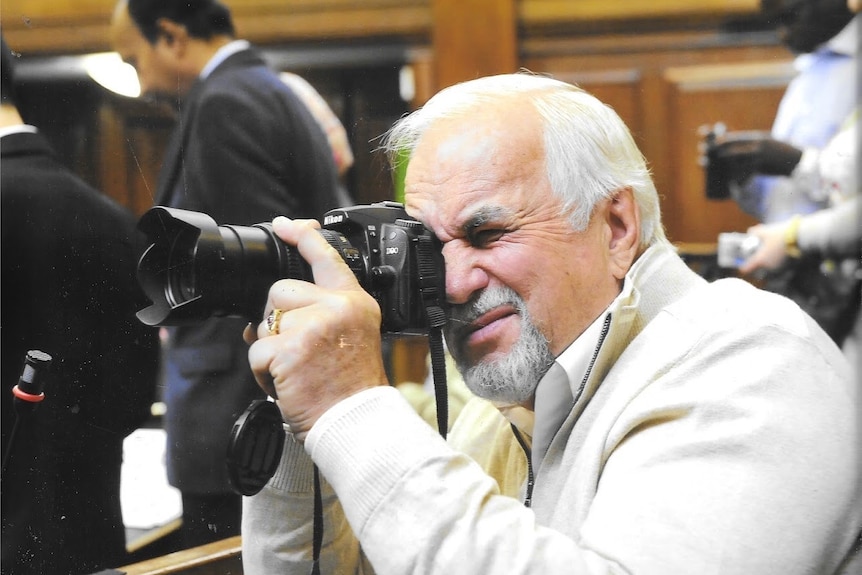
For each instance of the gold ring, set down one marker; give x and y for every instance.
(272, 321)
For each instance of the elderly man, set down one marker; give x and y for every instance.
(668, 425)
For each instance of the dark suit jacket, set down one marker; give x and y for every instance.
(245, 150)
(69, 289)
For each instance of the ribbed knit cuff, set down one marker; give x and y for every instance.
(366, 444)
(295, 472)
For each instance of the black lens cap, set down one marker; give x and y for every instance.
(255, 447)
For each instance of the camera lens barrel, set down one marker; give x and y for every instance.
(194, 268)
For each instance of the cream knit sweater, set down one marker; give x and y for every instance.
(718, 433)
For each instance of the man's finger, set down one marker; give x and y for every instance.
(260, 355)
(284, 296)
(327, 266)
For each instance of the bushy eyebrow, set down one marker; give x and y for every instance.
(482, 216)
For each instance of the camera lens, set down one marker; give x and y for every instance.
(181, 276)
(195, 269)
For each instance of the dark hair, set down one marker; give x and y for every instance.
(803, 25)
(7, 71)
(202, 18)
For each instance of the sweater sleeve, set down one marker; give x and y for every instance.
(277, 524)
(418, 505)
(833, 231)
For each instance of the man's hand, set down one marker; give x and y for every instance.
(745, 154)
(326, 344)
(772, 252)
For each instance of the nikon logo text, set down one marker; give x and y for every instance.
(337, 219)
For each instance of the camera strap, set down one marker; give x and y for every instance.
(432, 286)
(317, 525)
(438, 371)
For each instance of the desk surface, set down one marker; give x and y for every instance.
(151, 507)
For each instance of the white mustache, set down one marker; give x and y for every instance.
(487, 299)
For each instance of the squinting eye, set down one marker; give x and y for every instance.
(482, 238)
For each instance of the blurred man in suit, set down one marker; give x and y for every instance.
(68, 263)
(245, 149)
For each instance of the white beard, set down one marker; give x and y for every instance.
(512, 378)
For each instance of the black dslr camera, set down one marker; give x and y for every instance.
(195, 269)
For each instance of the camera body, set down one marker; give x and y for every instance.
(195, 269)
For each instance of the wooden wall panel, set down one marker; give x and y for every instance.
(629, 72)
(473, 38)
(538, 11)
(70, 26)
(744, 97)
(621, 89)
(537, 15)
(73, 26)
(132, 137)
(77, 26)
(276, 21)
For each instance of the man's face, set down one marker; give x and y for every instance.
(514, 266)
(155, 64)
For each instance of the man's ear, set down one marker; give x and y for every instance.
(624, 224)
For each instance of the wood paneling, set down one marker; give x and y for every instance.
(473, 38)
(538, 12)
(744, 96)
(630, 73)
(267, 22)
(76, 26)
(49, 26)
(133, 136)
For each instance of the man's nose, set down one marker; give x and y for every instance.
(463, 276)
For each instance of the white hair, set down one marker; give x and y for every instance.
(589, 152)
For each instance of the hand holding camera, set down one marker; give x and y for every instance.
(375, 270)
(325, 343)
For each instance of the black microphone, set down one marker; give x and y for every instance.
(30, 390)
(29, 393)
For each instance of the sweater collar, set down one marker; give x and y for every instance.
(578, 370)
